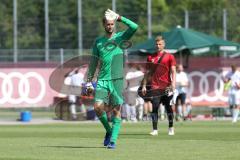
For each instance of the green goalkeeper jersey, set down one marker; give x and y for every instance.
(108, 53)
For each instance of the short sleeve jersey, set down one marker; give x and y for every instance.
(235, 79)
(161, 77)
(181, 77)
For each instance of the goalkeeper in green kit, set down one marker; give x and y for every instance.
(108, 54)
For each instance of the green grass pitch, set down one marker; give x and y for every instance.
(215, 140)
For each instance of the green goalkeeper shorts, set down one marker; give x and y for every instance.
(109, 92)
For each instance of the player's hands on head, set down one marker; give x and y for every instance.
(111, 15)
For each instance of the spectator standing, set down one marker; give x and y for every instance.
(233, 78)
(181, 87)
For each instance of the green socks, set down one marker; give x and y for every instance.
(104, 121)
(116, 124)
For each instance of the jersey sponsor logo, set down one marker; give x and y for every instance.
(125, 44)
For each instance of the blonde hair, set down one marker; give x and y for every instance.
(159, 38)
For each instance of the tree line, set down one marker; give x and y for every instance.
(204, 15)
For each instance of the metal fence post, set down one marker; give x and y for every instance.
(46, 31)
(114, 9)
(224, 24)
(80, 43)
(186, 17)
(114, 5)
(149, 13)
(61, 55)
(15, 32)
(225, 28)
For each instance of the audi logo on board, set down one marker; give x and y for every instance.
(23, 85)
(204, 86)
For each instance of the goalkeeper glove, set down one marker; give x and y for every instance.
(89, 88)
(110, 15)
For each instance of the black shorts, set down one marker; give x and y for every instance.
(147, 97)
(181, 99)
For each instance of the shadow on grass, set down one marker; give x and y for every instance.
(133, 134)
(71, 147)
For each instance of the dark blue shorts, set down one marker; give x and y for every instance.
(181, 99)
